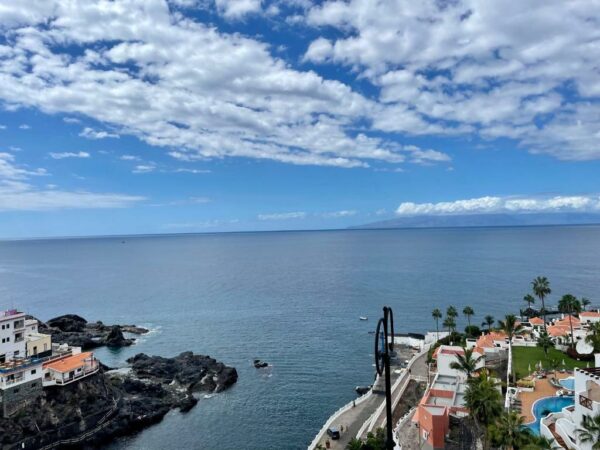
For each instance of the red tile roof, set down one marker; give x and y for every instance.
(70, 362)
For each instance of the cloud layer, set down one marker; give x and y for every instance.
(144, 69)
(487, 205)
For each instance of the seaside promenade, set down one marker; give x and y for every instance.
(369, 412)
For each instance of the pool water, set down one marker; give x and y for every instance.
(568, 383)
(546, 405)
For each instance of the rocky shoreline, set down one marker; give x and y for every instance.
(112, 403)
(76, 331)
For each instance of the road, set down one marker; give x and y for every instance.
(353, 419)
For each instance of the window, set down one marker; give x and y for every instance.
(16, 353)
(33, 372)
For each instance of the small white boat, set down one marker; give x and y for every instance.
(363, 318)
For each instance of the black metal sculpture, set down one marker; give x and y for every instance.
(382, 364)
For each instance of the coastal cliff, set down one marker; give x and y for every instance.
(108, 404)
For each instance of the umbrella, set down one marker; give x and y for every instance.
(541, 367)
(563, 362)
(529, 367)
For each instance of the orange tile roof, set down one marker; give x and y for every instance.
(487, 340)
(536, 321)
(589, 314)
(70, 362)
(565, 322)
(559, 330)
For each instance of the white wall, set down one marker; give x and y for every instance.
(8, 345)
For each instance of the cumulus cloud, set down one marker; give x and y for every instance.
(18, 194)
(523, 70)
(64, 155)
(129, 158)
(489, 204)
(90, 133)
(188, 86)
(282, 216)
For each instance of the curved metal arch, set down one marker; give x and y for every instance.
(378, 353)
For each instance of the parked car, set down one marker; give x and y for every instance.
(333, 433)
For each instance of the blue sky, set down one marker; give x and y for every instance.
(155, 116)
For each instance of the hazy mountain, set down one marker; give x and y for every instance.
(486, 220)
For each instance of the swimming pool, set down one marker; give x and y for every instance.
(544, 406)
(568, 383)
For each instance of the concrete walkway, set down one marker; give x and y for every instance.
(353, 419)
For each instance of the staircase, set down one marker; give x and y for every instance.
(560, 441)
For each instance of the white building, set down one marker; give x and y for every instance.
(12, 335)
(589, 317)
(445, 355)
(20, 377)
(565, 424)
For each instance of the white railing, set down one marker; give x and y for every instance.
(566, 430)
(336, 415)
(508, 373)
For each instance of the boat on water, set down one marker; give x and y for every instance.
(363, 318)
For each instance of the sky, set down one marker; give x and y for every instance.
(177, 116)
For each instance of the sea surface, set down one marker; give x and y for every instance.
(290, 298)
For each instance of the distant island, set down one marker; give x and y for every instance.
(484, 220)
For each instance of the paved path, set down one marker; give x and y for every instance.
(353, 419)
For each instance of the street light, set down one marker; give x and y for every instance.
(385, 328)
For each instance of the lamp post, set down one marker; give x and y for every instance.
(385, 328)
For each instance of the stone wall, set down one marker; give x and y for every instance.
(16, 397)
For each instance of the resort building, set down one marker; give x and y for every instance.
(38, 345)
(445, 355)
(70, 368)
(444, 398)
(560, 330)
(562, 425)
(589, 317)
(12, 335)
(20, 377)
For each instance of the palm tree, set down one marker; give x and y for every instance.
(466, 363)
(541, 288)
(590, 431)
(545, 342)
(489, 321)
(510, 432)
(512, 328)
(530, 300)
(452, 312)
(585, 302)
(483, 399)
(468, 311)
(569, 304)
(450, 324)
(437, 315)
(593, 336)
(354, 444)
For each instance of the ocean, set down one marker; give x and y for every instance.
(290, 298)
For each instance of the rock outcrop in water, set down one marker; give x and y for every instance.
(90, 412)
(76, 331)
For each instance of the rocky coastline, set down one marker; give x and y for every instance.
(111, 403)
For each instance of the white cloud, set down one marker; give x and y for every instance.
(64, 155)
(206, 93)
(71, 120)
(338, 214)
(90, 133)
(194, 171)
(2, 127)
(236, 9)
(129, 158)
(144, 168)
(24, 126)
(484, 205)
(282, 216)
(17, 194)
(523, 70)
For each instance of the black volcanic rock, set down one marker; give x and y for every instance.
(194, 372)
(68, 323)
(115, 338)
(76, 331)
(121, 403)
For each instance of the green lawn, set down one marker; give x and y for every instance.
(524, 356)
